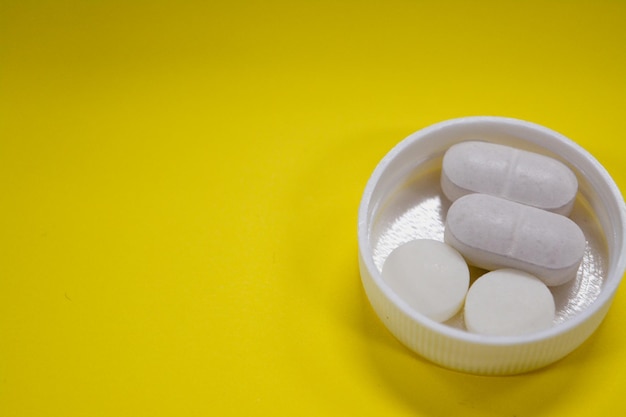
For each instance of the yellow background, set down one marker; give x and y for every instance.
(179, 184)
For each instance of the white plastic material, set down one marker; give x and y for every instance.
(387, 202)
(491, 232)
(429, 276)
(526, 177)
(508, 302)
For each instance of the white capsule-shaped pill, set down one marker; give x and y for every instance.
(492, 233)
(508, 302)
(526, 177)
(430, 276)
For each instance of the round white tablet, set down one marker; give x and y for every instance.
(429, 276)
(508, 302)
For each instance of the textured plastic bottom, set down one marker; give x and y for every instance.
(477, 358)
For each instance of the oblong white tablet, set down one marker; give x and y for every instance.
(508, 302)
(518, 175)
(429, 276)
(492, 233)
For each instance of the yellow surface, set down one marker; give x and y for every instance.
(179, 184)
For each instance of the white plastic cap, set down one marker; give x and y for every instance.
(454, 347)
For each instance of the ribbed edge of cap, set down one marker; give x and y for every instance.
(486, 357)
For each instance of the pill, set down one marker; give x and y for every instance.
(508, 302)
(430, 276)
(492, 233)
(526, 177)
